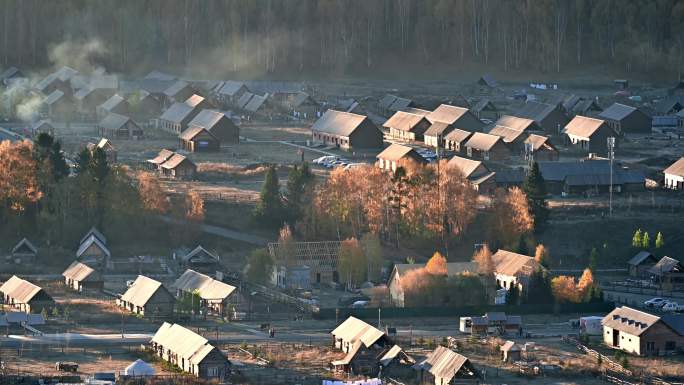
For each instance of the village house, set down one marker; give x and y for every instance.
(549, 117)
(641, 264)
(513, 270)
(513, 139)
(291, 277)
(42, 127)
(199, 139)
(485, 109)
(57, 81)
(156, 162)
(10, 73)
(643, 334)
(510, 352)
(674, 176)
(397, 292)
(115, 104)
(456, 117)
(347, 131)
(178, 166)
(385, 102)
(668, 273)
(24, 252)
(261, 105)
(88, 99)
(670, 105)
(390, 104)
(349, 105)
(229, 92)
(487, 147)
(368, 350)
(541, 149)
(320, 259)
(176, 118)
(93, 250)
(476, 172)
(58, 106)
(406, 127)
(680, 118)
(625, 119)
(24, 296)
(179, 91)
(444, 366)
(487, 83)
(459, 101)
(200, 259)
(396, 156)
(214, 295)
(143, 105)
(586, 107)
(81, 277)
(190, 352)
(217, 124)
(498, 323)
(147, 297)
(120, 127)
(105, 145)
(589, 134)
(456, 139)
(243, 100)
(302, 106)
(589, 177)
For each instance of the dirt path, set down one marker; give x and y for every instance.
(225, 233)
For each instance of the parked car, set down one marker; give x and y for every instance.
(655, 302)
(672, 307)
(359, 305)
(324, 159)
(66, 367)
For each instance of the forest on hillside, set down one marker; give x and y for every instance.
(346, 36)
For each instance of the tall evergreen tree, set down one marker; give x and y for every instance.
(269, 209)
(593, 260)
(539, 291)
(535, 188)
(298, 182)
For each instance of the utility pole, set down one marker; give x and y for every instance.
(611, 156)
(529, 155)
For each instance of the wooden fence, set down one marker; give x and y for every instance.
(606, 361)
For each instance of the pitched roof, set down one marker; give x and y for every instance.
(244, 99)
(458, 135)
(209, 288)
(510, 346)
(666, 265)
(177, 112)
(403, 121)
(191, 132)
(482, 105)
(25, 243)
(566, 171)
(617, 111)
(513, 264)
(301, 98)
(453, 268)
(22, 291)
(583, 127)
(400, 104)
(54, 97)
(175, 88)
(65, 73)
(536, 111)
(396, 152)
(78, 271)
(354, 330)
(640, 257)
(467, 166)
(676, 168)
(586, 105)
(539, 141)
(508, 135)
(417, 111)
(142, 289)
(183, 342)
(207, 119)
(629, 320)
(672, 104)
(230, 87)
(112, 102)
(8, 73)
(517, 123)
(443, 363)
(40, 124)
(92, 239)
(197, 250)
(487, 80)
(255, 103)
(83, 92)
(174, 161)
(483, 142)
(392, 353)
(162, 157)
(338, 123)
(154, 74)
(387, 101)
(446, 113)
(194, 100)
(438, 128)
(114, 121)
(95, 232)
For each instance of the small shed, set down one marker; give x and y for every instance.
(24, 251)
(179, 167)
(395, 155)
(487, 147)
(200, 259)
(641, 263)
(93, 249)
(79, 276)
(119, 126)
(199, 139)
(510, 352)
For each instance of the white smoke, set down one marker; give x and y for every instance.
(29, 108)
(81, 55)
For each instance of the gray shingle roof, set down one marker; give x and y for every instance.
(112, 102)
(396, 152)
(114, 121)
(676, 168)
(583, 127)
(517, 123)
(209, 289)
(483, 142)
(536, 111)
(175, 88)
(142, 289)
(617, 111)
(403, 121)
(177, 112)
(338, 123)
(447, 114)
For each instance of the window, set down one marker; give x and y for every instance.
(469, 150)
(485, 155)
(213, 371)
(650, 346)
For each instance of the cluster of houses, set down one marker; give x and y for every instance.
(665, 272)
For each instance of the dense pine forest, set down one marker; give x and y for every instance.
(347, 36)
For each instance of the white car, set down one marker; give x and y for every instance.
(324, 159)
(655, 302)
(353, 165)
(672, 307)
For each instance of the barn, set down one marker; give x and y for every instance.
(624, 119)
(147, 297)
(347, 131)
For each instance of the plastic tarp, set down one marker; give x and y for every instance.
(139, 368)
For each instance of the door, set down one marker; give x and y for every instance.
(616, 337)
